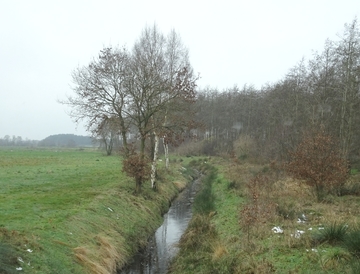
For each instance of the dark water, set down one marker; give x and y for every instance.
(157, 255)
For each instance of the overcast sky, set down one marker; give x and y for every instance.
(230, 43)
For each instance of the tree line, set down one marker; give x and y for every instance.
(57, 140)
(8, 140)
(323, 91)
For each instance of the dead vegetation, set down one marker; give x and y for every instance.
(102, 260)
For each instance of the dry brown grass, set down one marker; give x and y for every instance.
(180, 185)
(103, 260)
(219, 250)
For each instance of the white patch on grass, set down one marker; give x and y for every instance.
(297, 234)
(277, 229)
(20, 260)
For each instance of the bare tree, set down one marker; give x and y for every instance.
(100, 91)
(107, 133)
(161, 75)
(348, 57)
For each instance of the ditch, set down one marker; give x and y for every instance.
(162, 246)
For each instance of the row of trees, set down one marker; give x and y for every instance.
(147, 91)
(16, 141)
(323, 91)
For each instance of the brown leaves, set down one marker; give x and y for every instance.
(318, 161)
(137, 167)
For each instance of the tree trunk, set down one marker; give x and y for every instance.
(154, 162)
(124, 138)
(142, 146)
(166, 151)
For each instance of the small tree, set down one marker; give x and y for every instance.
(137, 166)
(317, 160)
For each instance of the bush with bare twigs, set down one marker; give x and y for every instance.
(137, 167)
(317, 161)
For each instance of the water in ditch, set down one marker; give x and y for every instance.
(161, 248)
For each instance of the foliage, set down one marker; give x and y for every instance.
(318, 162)
(137, 167)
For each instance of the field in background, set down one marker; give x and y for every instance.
(62, 210)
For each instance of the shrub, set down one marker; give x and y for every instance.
(350, 188)
(317, 161)
(258, 209)
(244, 147)
(138, 168)
(287, 210)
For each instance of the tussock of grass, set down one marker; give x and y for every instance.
(333, 234)
(352, 242)
(180, 185)
(335, 259)
(198, 234)
(219, 251)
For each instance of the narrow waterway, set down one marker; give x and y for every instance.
(161, 248)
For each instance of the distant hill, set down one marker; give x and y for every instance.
(66, 140)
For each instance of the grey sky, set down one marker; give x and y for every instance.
(230, 42)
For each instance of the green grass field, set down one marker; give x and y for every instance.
(74, 209)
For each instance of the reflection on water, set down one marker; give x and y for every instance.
(155, 258)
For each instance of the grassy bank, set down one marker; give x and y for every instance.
(73, 211)
(264, 222)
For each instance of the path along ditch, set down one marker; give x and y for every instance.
(161, 247)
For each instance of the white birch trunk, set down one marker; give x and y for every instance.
(154, 162)
(166, 152)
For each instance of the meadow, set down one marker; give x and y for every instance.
(262, 221)
(74, 211)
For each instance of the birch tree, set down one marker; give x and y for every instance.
(160, 76)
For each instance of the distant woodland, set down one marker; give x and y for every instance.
(58, 140)
(321, 92)
(66, 140)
